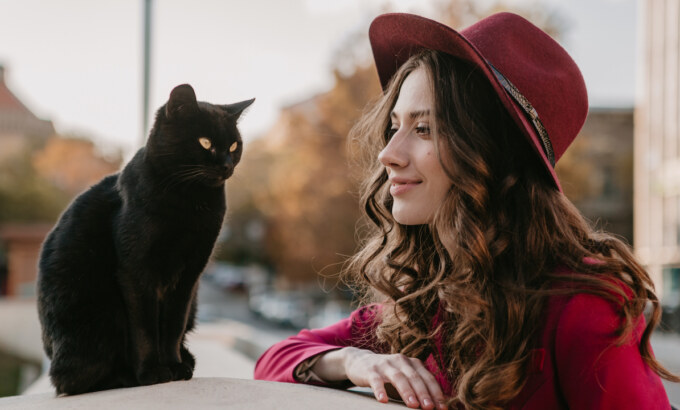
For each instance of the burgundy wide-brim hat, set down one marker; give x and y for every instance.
(534, 77)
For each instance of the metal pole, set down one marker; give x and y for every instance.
(147, 68)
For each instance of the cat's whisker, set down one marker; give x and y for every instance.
(188, 174)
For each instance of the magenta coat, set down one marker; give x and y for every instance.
(575, 363)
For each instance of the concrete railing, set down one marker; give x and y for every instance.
(204, 393)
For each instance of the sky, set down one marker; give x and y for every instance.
(79, 62)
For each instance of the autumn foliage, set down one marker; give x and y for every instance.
(38, 183)
(73, 164)
(298, 177)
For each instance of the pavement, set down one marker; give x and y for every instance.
(666, 348)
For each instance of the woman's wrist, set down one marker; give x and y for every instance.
(332, 366)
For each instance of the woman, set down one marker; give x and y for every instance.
(492, 290)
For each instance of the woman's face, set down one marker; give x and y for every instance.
(418, 183)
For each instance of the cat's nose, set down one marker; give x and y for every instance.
(227, 167)
(227, 170)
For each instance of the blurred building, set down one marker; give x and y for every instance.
(596, 172)
(657, 147)
(19, 127)
(20, 131)
(31, 155)
(22, 243)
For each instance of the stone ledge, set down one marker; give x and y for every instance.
(204, 393)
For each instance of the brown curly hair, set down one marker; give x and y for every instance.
(489, 256)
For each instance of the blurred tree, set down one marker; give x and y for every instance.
(73, 164)
(548, 19)
(24, 195)
(311, 200)
(242, 237)
(37, 184)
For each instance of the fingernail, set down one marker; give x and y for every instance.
(381, 396)
(412, 399)
(427, 402)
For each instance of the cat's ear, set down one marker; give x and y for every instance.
(236, 109)
(182, 102)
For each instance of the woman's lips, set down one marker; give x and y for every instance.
(402, 186)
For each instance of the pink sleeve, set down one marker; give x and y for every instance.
(278, 363)
(592, 371)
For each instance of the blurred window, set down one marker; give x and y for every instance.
(609, 188)
(670, 220)
(671, 287)
(677, 221)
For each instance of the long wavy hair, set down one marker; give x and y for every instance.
(488, 258)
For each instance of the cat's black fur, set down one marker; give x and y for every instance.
(119, 272)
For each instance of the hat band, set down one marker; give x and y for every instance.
(530, 112)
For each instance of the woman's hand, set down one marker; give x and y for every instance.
(416, 386)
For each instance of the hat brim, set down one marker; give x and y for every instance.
(395, 37)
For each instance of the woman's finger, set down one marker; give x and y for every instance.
(417, 376)
(377, 384)
(402, 383)
(430, 381)
(407, 377)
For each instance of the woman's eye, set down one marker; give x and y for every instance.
(233, 147)
(205, 143)
(391, 132)
(422, 129)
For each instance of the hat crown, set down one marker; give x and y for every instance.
(540, 69)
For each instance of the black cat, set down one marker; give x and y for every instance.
(119, 272)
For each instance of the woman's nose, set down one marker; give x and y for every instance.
(394, 154)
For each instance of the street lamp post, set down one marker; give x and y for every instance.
(147, 68)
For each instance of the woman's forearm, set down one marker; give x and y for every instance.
(332, 365)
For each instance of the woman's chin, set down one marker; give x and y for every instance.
(403, 217)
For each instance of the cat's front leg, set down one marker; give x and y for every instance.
(143, 313)
(184, 369)
(188, 361)
(178, 310)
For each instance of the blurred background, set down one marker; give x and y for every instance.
(80, 82)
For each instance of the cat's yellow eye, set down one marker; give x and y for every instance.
(233, 147)
(205, 143)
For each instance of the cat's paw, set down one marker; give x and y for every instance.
(153, 375)
(187, 358)
(181, 371)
